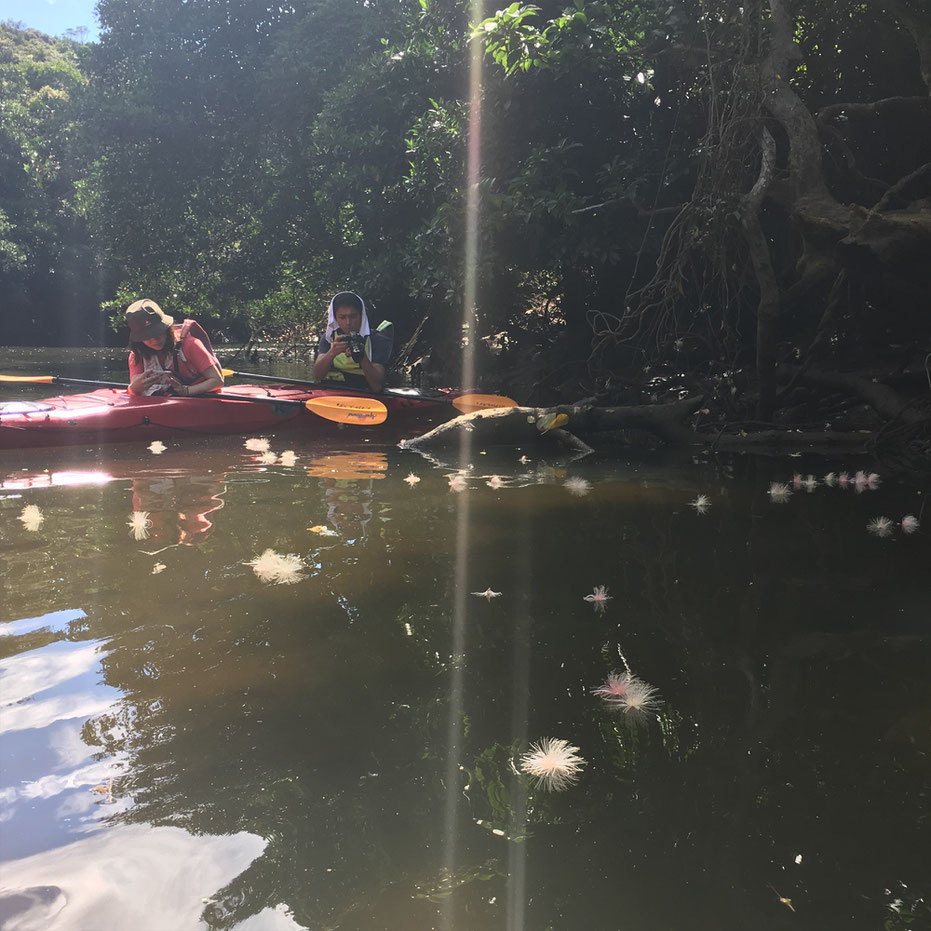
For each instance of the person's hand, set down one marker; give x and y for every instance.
(340, 344)
(178, 387)
(150, 379)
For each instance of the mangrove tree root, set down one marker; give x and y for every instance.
(881, 398)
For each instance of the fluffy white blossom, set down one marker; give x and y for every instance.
(31, 517)
(139, 524)
(577, 486)
(554, 764)
(282, 569)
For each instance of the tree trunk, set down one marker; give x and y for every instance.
(519, 426)
(767, 314)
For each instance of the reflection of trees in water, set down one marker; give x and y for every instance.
(285, 731)
(769, 615)
(316, 719)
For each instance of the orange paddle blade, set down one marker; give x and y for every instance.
(34, 379)
(343, 409)
(467, 403)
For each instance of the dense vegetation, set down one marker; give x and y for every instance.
(732, 198)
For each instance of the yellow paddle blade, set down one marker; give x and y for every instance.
(228, 373)
(551, 421)
(343, 409)
(34, 379)
(467, 403)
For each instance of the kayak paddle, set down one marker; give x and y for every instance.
(58, 380)
(340, 409)
(465, 403)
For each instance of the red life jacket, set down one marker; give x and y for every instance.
(182, 368)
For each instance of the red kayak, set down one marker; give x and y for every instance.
(112, 415)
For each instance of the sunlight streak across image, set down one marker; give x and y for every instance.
(454, 729)
(520, 712)
(468, 335)
(472, 206)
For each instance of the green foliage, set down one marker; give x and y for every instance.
(42, 243)
(12, 254)
(611, 32)
(243, 161)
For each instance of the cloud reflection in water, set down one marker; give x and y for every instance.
(128, 876)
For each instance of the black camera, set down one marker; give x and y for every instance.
(356, 346)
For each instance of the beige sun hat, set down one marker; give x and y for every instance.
(146, 320)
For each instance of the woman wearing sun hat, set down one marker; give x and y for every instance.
(168, 358)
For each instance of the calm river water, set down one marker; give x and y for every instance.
(186, 742)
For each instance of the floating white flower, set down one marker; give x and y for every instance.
(640, 698)
(289, 569)
(488, 594)
(257, 444)
(577, 486)
(282, 569)
(31, 517)
(158, 568)
(457, 482)
(495, 482)
(268, 458)
(701, 504)
(810, 483)
(615, 688)
(779, 493)
(157, 447)
(265, 566)
(523, 460)
(139, 524)
(412, 479)
(288, 457)
(873, 481)
(910, 523)
(554, 764)
(599, 598)
(843, 480)
(880, 526)
(830, 479)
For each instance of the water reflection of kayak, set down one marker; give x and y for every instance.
(112, 415)
(175, 495)
(195, 460)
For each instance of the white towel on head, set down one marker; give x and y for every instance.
(331, 325)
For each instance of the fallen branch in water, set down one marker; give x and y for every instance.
(671, 423)
(520, 426)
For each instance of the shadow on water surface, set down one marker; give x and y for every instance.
(288, 742)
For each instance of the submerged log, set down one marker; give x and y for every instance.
(525, 426)
(521, 426)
